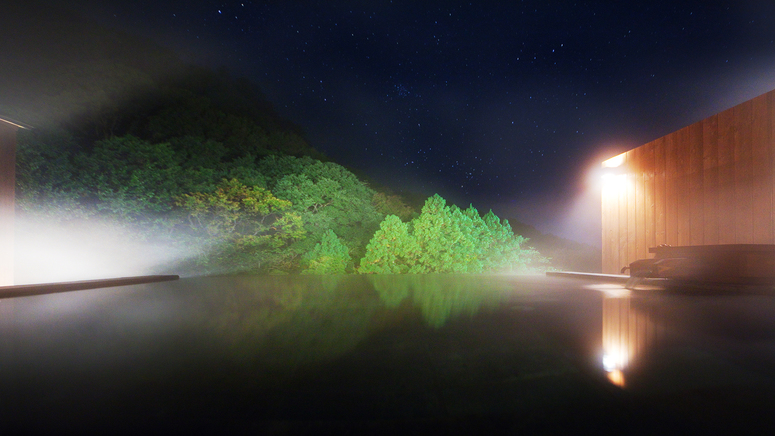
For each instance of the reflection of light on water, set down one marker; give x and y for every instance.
(614, 360)
(611, 290)
(627, 333)
(616, 377)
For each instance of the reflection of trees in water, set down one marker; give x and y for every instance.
(392, 288)
(283, 321)
(440, 296)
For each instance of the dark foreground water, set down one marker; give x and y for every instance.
(387, 355)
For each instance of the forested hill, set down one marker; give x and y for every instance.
(129, 136)
(60, 70)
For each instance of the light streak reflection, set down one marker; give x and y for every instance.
(628, 333)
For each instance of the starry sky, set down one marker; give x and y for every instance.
(506, 105)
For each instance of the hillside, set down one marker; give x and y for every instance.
(125, 130)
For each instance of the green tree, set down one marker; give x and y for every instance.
(503, 249)
(46, 182)
(130, 178)
(328, 196)
(392, 205)
(330, 256)
(275, 167)
(446, 239)
(249, 228)
(392, 250)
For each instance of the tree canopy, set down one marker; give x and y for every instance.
(446, 239)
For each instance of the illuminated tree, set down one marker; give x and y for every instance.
(392, 205)
(330, 256)
(392, 250)
(445, 239)
(249, 227)
(129, 177)
(502, 248)
(327, 196)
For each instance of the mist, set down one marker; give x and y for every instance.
(49, 250)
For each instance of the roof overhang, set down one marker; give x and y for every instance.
(14, 123)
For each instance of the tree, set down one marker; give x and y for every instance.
(328, 196)
(130, 178)
(330, 256)
(392, 205)
(45, 177)
(249, 227)
(503, 249)
(275, 167)
(392, 250)
(445, 239)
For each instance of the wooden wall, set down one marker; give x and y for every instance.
(708, 183)
(7, 200)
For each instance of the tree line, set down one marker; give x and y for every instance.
(274, 214)
(204, 161)
(126, 132)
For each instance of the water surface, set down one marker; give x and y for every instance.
(380, 354)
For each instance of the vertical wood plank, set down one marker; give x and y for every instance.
(696, 211)
(710, 175)
(742, 134)
(641, 251)
(632, 229)
(682, 144)
(660, 194)
(762, 171)
(604, 243)
(771, 146)
(671, 190)
(623, 209)
(712, 182)
(726, 177)
(609, 227)
(649, 176)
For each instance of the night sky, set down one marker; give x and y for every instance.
(506, 105)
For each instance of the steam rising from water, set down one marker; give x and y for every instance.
(53, 251)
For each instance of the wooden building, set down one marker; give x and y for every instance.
(8, 130)
(710, 183)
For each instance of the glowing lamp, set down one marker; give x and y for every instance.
(615, 161)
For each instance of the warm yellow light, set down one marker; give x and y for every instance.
(616, 377)
(613, 182)
(615, 359)
(608, 178)
(614, 162)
